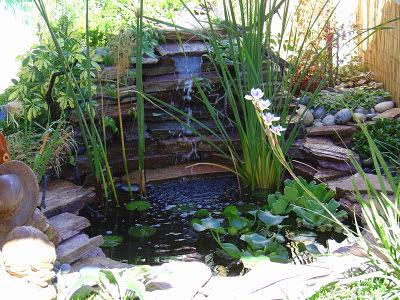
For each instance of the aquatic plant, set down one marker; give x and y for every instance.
(125, 284)
(310, 213)
(253, 231)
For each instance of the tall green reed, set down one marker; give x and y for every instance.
(140, 100)
(95, 150)
(250, 41)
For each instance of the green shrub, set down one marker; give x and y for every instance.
(386, 135)
(360, 97)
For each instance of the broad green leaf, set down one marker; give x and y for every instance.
(207, 223)
(111, 240)
(232, 250)
(255, 240)
(201, 213)
(279, 207)
(239, 223)
(142, 231)
(291, 193)
(138, 205)
(269, 219)
(231, 212)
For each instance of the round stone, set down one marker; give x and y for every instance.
(342, 116)
(318, 124)
(370, 116)
(333, 111)
(319, 112)
(308, 118)
(361, 110)
(332, 90)
(329, 120)
(384, 106)
(372, 111)
(304, 100)
(361, 117)
(367, 162)
(65, 268)
(380, 99)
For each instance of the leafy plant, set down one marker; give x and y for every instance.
(386, 135)
(42, 81)
(259, 247)
(360, 97)
(296, 197)
(382, 216)
(127, 284)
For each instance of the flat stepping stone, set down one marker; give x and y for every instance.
(64, 196)
(389, 114)
(175, 172)
(98, 262)
(341, 130)
(68, 225)
(76, 247)
(177, 280)
(181, 49)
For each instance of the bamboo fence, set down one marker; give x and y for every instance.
(381, 52)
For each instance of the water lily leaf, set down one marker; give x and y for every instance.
(255, 240)
(138, 205)
(202, 213)
(313, 249)
(142, 231)
(279, 238)
(195, 221)
(231, 212)
(249, 261)
(239, 223)
(111, 240)
(208, 223)
(232, 250)
(269, 219)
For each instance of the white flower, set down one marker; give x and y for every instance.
(262, 104)
(277, 129)
(269, 118)
(256, 94)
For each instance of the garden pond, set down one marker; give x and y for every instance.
(163, 232)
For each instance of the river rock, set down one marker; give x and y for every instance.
(380, 99)
(304, 100)
(333, 111)
(308, 117)
(384, 106)
(319, 112)
(372, 111)
(361, 110)
(342, 116)
(318, 123)
(370, 116)
(360, 116)
(329, 120)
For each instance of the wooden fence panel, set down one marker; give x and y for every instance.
(381, 52)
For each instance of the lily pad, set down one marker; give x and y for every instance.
(202, 213)
(250, 261)
(142, 231)
(138, 205)
(111, 240)
(269, 219)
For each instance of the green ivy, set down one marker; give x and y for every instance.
(386, 135)
(359, 97)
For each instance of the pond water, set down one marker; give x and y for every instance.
(173, 205)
